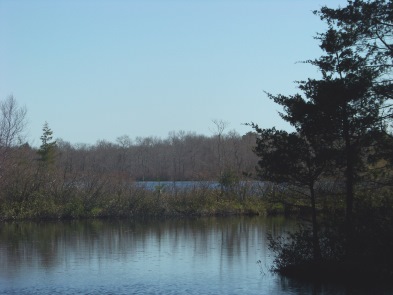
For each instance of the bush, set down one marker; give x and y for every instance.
(367, 255)
(291, 249)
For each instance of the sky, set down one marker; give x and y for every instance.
(100, 69)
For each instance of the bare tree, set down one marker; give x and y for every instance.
(12, 126)
(12, 123)
(218, 131)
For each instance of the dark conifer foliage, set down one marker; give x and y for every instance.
(341, 121)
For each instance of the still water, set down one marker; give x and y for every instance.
(173, 256)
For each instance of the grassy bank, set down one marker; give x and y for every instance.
(137, 201)
(121, 199)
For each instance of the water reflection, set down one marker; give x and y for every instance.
(175, 256)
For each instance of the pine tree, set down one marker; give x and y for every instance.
(48, 147)
(336, 118)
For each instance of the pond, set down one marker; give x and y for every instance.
(172, 256)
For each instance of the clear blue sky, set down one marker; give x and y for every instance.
(100, 69)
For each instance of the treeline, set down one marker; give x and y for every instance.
(179, 157)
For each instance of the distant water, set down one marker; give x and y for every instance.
(173, 256)
(177, 184)
(248, 187)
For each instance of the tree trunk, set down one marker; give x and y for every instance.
(349, 171)
(349, 182)
(316, 246)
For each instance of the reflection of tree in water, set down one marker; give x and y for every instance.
(48, 244)
(26, 244)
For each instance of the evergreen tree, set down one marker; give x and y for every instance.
(48, 147)
(336, 119)
(340, 110)
(368, 24)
